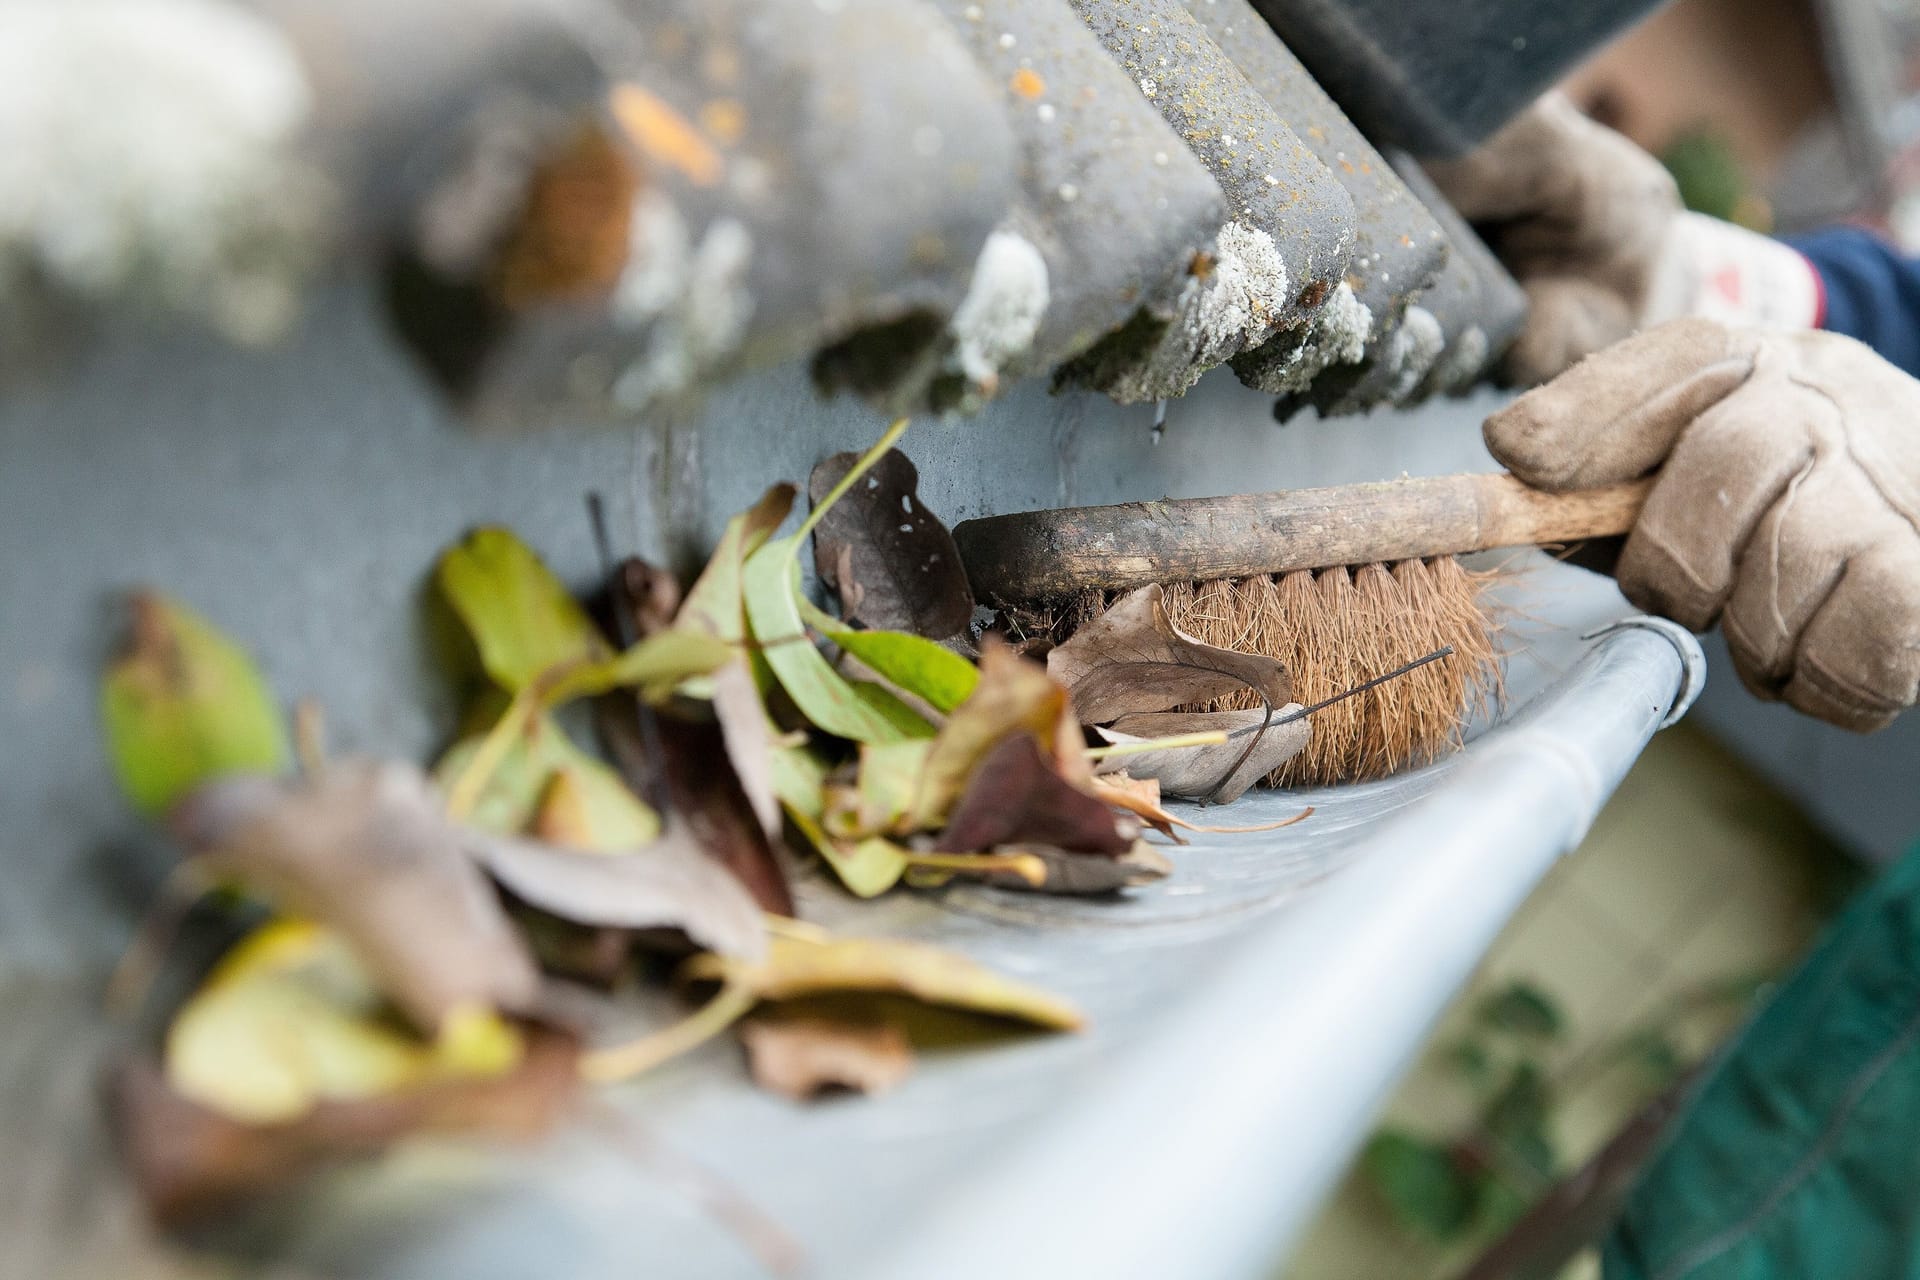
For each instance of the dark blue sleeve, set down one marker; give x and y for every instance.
(1872, 291)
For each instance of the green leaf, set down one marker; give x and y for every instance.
(1707, 172)
(523, 620)
(913, 663)
(880, 699)
(1654, 1052)
(184, 705)
(549, 786)
(824, 697)
(883, 798)
(1470, 1059)
(1497, 1204)
(1517, 1118)
(867, 867)
(1523, 1009)
(1421, 1183)
(653, 668)
(715, 602)
(799, 779)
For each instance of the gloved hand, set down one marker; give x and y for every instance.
(1593, 228)
(1787, 503)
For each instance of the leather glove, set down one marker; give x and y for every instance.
(1593, 228)
(1787, 503)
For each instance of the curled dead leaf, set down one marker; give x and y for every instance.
(1220, 772)
(1013, 696)
(1132, 660)
(748, 739)
(1013, 797)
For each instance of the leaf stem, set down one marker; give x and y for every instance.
(1177, 742)
(886, 441)
(735, 999)
(514, 721)
(797, 930)
(1024, 865)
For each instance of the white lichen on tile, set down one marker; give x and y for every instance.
(1232, 305)
(689, 304)
(149, 159)
(1410, 353)
(1337, 334)
(1462, 363)
(1005, 302)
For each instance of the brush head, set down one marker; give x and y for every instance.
(1335, 629)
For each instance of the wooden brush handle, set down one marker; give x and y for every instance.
(1039, 555)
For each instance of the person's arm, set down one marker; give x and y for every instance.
(1870, 291)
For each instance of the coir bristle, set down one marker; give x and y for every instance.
(1335, 629)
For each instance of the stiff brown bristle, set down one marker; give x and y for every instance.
(1336, 629)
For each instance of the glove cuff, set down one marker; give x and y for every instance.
(1719, 271)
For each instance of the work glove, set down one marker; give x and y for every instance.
(1787, 501)
(1593, 229)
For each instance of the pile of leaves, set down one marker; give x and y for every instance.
(414, 943)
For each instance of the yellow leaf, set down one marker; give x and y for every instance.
(587, 806)
(797, 967)
(289, 1019)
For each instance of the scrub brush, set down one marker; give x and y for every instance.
(1340, 584)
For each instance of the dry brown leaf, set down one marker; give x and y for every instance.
(893, 563)
(652, 596)
(1064, 871)
(1221, 772)
(801, 1058)
(190, 1161)
(1139, 797)
(1013, 696)
(1132, 660)
(748, 740)
(704, 794)
(1013, 797)
(668, 884)
(365, 849)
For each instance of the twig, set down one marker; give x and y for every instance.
(770, 1243)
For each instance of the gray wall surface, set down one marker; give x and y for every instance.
(299, 496)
